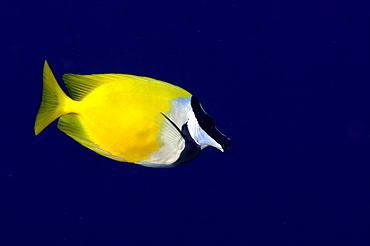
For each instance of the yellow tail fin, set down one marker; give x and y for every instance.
(52, 102)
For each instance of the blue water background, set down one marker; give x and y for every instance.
(287, 81)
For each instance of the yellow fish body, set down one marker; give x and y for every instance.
(129, 118)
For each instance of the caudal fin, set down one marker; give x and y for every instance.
(52, 102)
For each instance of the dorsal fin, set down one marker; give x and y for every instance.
(79, 86)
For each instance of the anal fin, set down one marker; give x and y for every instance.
(71, 125)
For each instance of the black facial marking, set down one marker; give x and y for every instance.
(208, 124)
(191, 150)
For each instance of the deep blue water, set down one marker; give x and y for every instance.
(287, 82)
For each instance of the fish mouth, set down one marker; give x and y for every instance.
(221, 139)
(225, 146)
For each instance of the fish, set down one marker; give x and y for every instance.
(129, 118)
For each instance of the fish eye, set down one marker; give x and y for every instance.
(206, 122)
